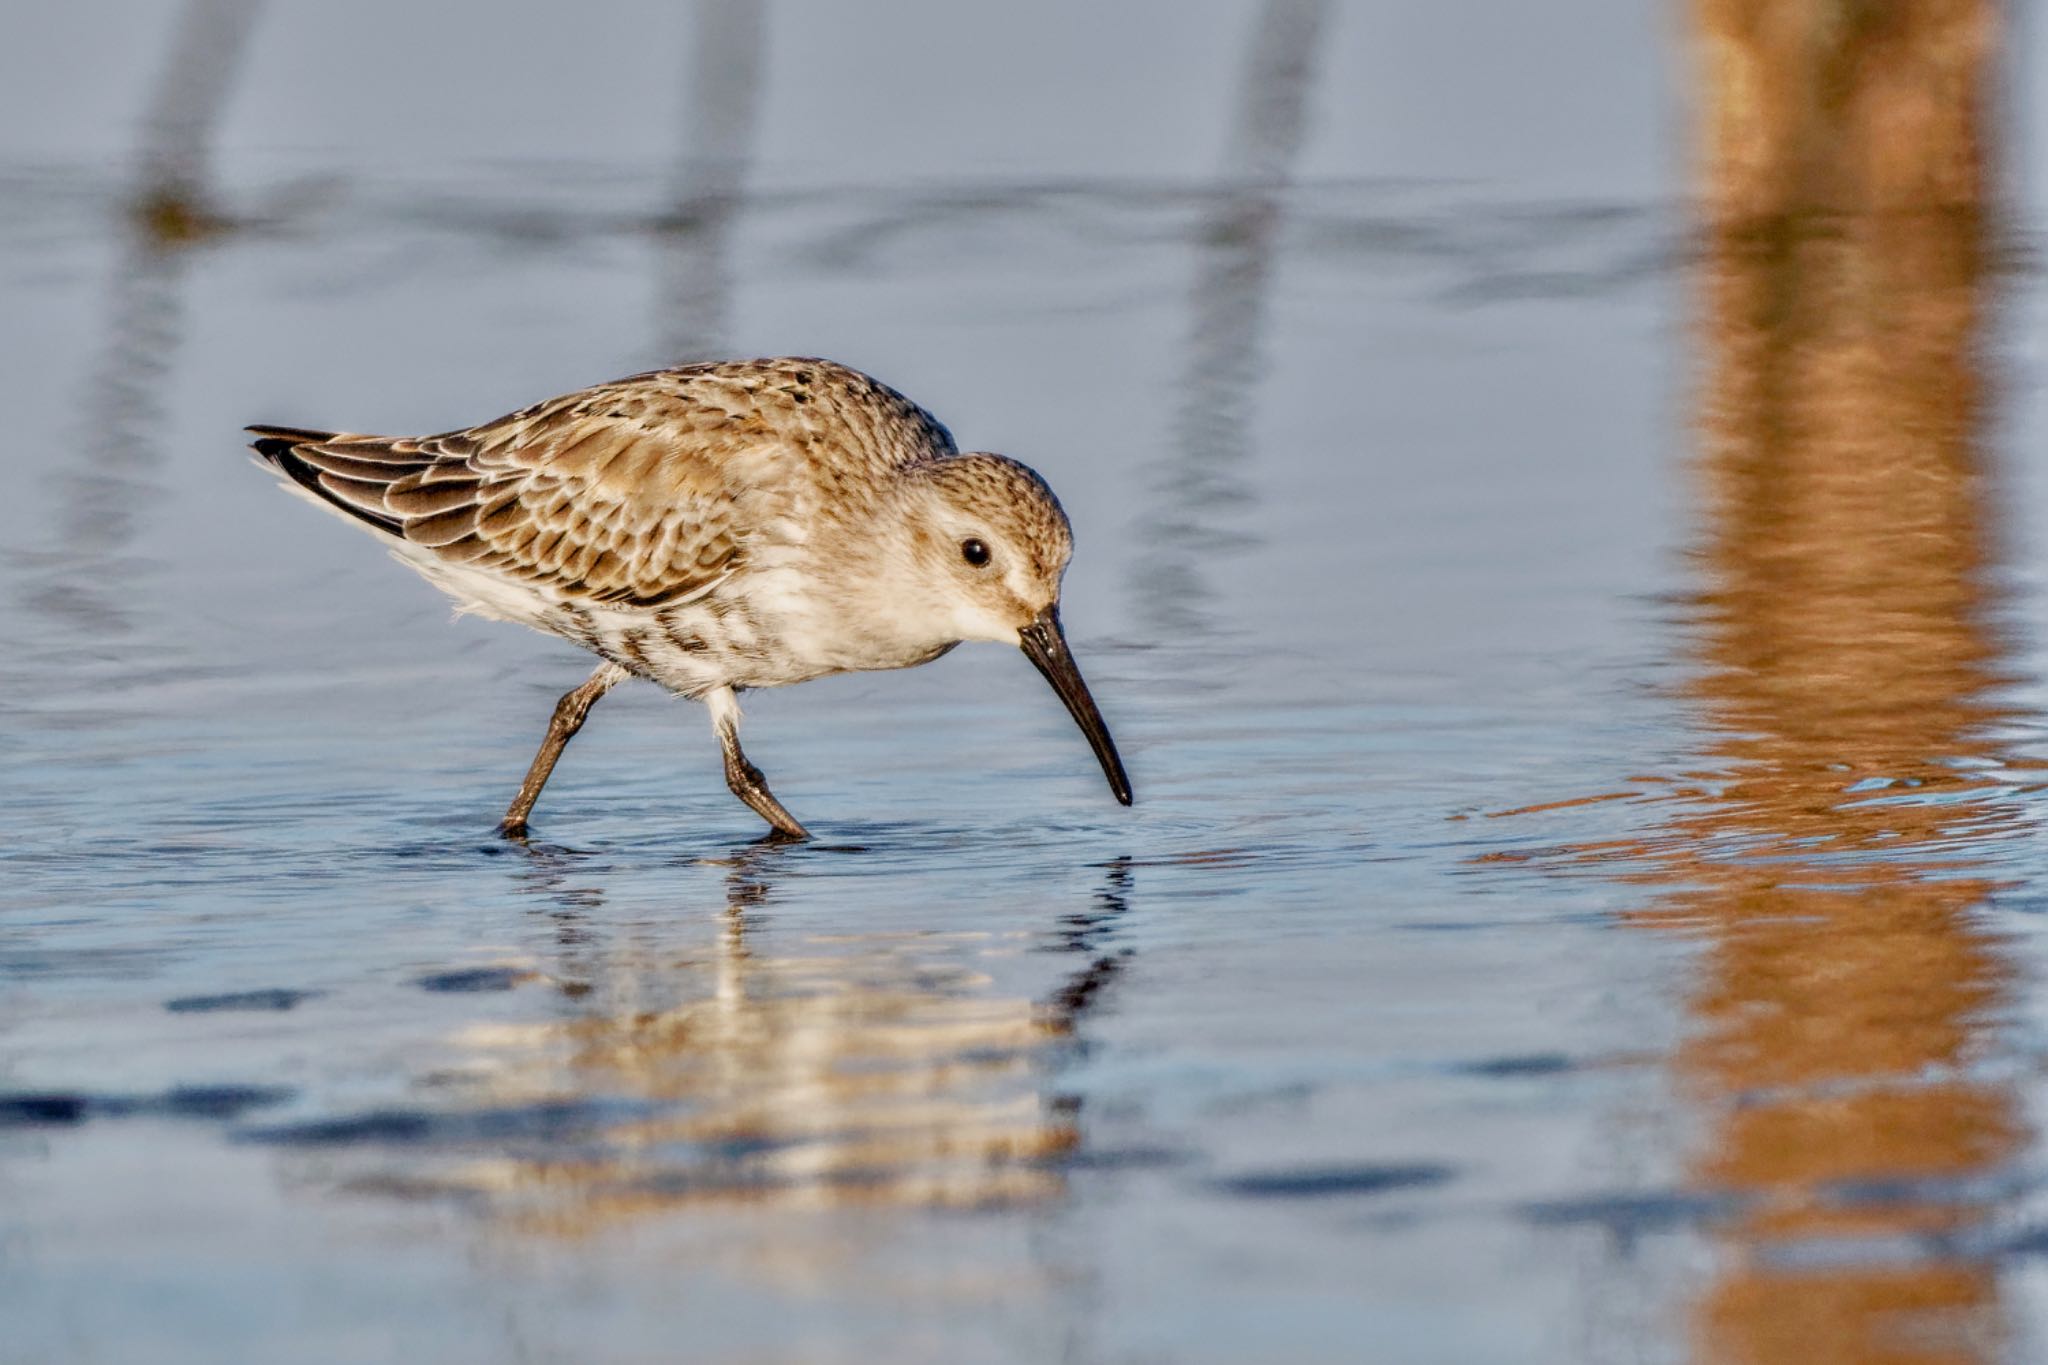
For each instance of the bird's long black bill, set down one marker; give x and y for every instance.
(1045, 644)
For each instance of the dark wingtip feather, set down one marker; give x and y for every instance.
(274, 442)
(279, 447)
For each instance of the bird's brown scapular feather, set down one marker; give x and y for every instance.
(622, 493)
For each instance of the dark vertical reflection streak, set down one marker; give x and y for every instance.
(178, 127)
(113, 480)
(694, 296)
(1204, 491)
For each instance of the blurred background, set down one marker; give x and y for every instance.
(1559, 544)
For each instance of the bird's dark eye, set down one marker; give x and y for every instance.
(974, 552)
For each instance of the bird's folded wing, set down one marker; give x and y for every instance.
(621, 494)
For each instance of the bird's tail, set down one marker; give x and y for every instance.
(305, 457)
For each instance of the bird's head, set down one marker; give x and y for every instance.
(991, 544)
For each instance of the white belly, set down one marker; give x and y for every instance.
(768, 628)
(737, 634)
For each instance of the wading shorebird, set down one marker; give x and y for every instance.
(718, 527)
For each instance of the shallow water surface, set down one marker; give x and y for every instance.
(1572, 629)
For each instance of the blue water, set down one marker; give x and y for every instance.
(1550, 927)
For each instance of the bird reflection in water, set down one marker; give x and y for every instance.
(851, 1070)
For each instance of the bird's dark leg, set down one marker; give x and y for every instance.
(562, 727)
(744, 778)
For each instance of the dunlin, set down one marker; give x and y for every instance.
(714, 528)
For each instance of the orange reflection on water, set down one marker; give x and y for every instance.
(1846, 663)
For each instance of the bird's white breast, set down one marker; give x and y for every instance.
(765, 627)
